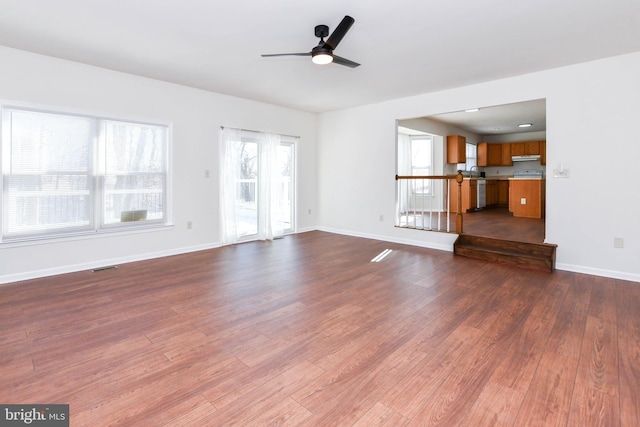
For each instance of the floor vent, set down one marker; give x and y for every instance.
(110, 267)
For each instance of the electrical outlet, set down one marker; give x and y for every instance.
(523, 201)
(618, 242)
(189, 225)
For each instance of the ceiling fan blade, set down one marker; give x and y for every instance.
(340, 31)
(286, 54)
(343, 61)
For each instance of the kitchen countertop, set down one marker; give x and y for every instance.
(501, 177)
(529, 178)
(492, 178)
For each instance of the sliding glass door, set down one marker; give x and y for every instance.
(247, 201)
(257, 185)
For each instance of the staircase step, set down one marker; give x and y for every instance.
(539, 256)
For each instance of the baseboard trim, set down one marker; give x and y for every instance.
(612, 274)
(73, 268)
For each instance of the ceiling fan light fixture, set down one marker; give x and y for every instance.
(322, 57)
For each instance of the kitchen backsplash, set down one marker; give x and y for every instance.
(503, 170)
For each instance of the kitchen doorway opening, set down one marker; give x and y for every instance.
(495, 127)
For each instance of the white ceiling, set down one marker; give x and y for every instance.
(405, 47)
(500, 119)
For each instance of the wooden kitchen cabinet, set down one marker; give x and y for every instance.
(529, 148)
(489, 154)
(532, 148)
(526, 198)
(543, 152)
(492, 192)
(469, 195)
(456, 149)
(482, 154)
(503, 193)
(517, 148)
(505, 155)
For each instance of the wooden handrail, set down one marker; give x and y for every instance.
(426, 177)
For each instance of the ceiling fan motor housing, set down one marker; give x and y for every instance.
(322, 31)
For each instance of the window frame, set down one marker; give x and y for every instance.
(426, 184)
(471, 154)
(96, 175)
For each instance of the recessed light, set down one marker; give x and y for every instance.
(525, 125)
(471, 110)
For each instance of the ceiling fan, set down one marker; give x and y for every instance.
(323, 52)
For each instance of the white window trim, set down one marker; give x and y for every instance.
(99, 228)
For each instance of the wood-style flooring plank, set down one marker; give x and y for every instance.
(407, 396)
(628, 324)
(456, 395)
(548, 398)
(307, 331)
(596, 394)
(380, 415)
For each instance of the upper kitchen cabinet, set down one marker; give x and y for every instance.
(494, 154)
(529, 148)
(517, 148)
(505, 151)
(543, 152)
(489, 154)
(456, 149)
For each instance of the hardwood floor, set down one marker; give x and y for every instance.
(500, 224)
(307, 331)
(496, 222)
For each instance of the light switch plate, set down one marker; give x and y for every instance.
(523, 201)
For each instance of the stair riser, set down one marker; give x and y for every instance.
(515, 251)
(544, 264)
(517, 247)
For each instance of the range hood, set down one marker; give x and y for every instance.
(530, 158)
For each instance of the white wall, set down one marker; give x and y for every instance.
(592, 115)
(346, 159)
(196, 117)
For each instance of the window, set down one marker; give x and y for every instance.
(68, 174)
(471, 154)
(422, 162)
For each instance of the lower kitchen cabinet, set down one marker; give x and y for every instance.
(469, 195)
(503, 193)
(492, 192)
(526, 197)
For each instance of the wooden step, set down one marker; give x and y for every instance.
(539, 256)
